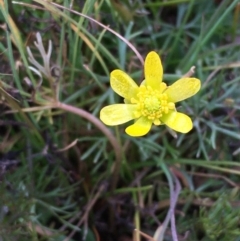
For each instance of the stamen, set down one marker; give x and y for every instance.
(152, 104)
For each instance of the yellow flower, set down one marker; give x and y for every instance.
(153, 102)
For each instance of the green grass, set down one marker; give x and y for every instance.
(66, 176)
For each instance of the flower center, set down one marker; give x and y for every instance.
(152, 104)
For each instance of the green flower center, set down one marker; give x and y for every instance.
(152, 104)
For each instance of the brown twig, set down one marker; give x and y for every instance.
(102, 25)
(190, 72)
(216, 176)
(88, 116)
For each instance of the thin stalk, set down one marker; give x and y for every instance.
(112, 139)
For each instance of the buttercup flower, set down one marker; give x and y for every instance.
(153, 102)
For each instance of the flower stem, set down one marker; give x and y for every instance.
(112, 139)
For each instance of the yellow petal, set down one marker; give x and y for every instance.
(183, 89)
(177, 121)
(140, 128)
(153, 70)
(117, 114)
(123, 84)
